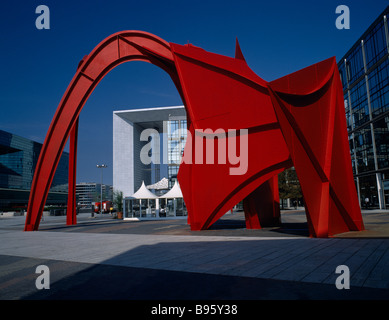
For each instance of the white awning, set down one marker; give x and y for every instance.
(160, 185)
(175, 192)
(143, 193)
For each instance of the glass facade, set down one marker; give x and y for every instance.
(364, 73)
(18, 159)
(176, 135)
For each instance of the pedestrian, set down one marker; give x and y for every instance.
(366, 202)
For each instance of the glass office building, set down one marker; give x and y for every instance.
(18, 159)
(364, 72)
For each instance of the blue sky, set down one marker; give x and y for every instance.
(277, 37)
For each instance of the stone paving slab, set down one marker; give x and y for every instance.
(295, 258)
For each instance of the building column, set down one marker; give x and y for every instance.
(157, 208)
(386, 33)
(359, 191)
(380, 190)
(378, 175)
(354, 155)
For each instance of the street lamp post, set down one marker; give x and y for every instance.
(101, 166)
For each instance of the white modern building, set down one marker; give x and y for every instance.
(147, 146)
(89, 192)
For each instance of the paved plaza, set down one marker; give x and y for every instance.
(106, 258)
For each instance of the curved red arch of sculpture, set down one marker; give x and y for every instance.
(296, 120)
(114, 50)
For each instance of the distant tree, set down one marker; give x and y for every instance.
(289, 186)
(118, 200)
(283, 187)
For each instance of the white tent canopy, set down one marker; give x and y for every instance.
(144, 203)
(143, 193)
(173, 202)
(175, 192)
(160, 185)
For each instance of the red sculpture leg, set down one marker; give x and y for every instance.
(308, 104)
(71, 212)
(262, 206)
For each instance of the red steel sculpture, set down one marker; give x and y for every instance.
(297, 120)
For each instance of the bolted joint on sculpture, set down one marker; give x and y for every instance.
(297, 120)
